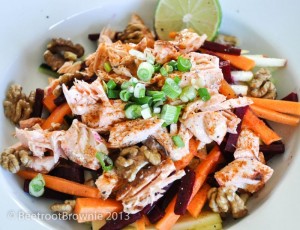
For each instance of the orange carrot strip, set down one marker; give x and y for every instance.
(290, 107)
(63, 185)
(57, 116)
(226, 90)
(205, 167)
(198, 201)
(183, 162)
(267, 135)
(169, 219)
(202, 171)
(275, 116)
(147, 221)
(49, 102)
(238, 61)
(140, 224)
(91, 209)
(172, 34)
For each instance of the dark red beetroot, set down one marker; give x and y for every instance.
(232, 138)
(291, 97)
(155, 214)
(93, 37)
(217, 47)
(38, 103)
(185, 191)
(121, 221)
(273, 149)
(226, 70)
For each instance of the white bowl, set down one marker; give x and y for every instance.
(264, 27)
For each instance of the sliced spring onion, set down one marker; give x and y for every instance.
(37, 186)
(125, 95)
(129, 104)
(104, 87)
(204, 94)
(157, 67)
(146, 111)
(156, 110)
(169, 68)
(133, 111)
(183, 64)
(177, 79)
(158, 103)
(142, 100)
(171, 89)
(111, 84)
(126, 84)
(178, 141)
(107, 66)
(174, 64)
(139, 90)
(105, 162)
(188, 93)
(157, 95)
(170, 113)
(163, 71)
(145, 71)
(113, 93)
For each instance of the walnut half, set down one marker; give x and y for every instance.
(17, 106)
(224, 200)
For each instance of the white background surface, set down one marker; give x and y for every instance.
(275, 21)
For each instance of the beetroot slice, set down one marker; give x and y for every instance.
(93, 37)
(232, 138)
(38, 103)
(273, 149)
(217, 47)
(121, 221)
(291, 97)
(185, 191)
(155, 214)
(226, 70)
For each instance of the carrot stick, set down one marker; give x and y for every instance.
(290, 107)
(57, 116)
(169, 219)
(267, 135)
(183, 162)
(172, 34)
(49, 102)
(239, 62)
(198, 201)
(202, 171)
(275, 116)
(63, 185)
(226, 90)
(205, 167)
(91, 209)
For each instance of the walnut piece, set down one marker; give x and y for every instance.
(261, 85)
(17, 106)
(66, 208)
(153, 156)
(60, 50)
(11, 159)
(135, 31)
(224, 200)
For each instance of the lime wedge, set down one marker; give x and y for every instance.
(202, 16)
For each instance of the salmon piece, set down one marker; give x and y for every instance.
(131, 132)
(208, 78)
(247, 145)
(153, 183)
(164, 51)
(80, 144)
(245, 173)
(202, 61)
(28, 123)
(83, 94)
(103, 116)
(165, 139)
(232, 121)
(188, 41)
(70, 67)
(207, 127)
(39, 141)
(106, 183)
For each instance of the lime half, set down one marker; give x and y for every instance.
(202, 16)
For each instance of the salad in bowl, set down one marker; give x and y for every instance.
(149, 133)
